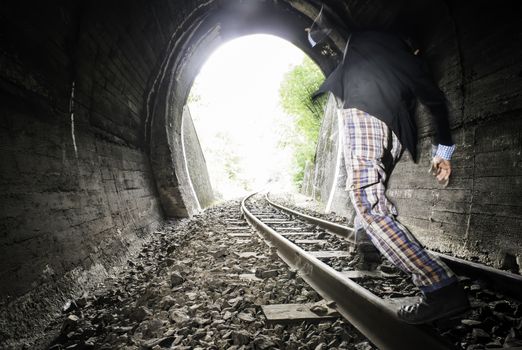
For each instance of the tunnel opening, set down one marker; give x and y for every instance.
(248, 137)
(176, 76)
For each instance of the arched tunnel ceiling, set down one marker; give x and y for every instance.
(212, 23)
(207, 30)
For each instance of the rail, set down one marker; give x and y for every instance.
(510, 283)
(371, 315)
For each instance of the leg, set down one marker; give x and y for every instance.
(367, 256)
(368, 142)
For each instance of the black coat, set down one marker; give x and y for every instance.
(380, 76)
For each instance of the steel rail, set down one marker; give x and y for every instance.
(509, 283)
(340, 230)
(371, 315)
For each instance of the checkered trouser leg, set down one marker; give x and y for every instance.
(371, 150)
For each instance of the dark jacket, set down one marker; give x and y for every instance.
(380, 76)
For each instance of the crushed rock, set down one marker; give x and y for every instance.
(190, 288)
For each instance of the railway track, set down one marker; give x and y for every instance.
(321, 252)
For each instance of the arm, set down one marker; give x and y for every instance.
(430, 95)
(441, 164)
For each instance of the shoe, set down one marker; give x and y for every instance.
(444, 302)
(368, 257)
(365, 263)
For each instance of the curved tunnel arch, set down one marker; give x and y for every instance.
(193, 48)
(207, 27)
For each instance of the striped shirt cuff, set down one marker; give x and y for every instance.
(443, 151)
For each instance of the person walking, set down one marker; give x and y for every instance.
(377, 84)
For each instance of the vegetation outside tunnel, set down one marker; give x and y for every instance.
(295, 92)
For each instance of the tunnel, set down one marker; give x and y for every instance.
(93, 96)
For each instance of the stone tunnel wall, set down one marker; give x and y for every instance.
(77, 191)
(321, 181)
(480, 214)
(195, 161)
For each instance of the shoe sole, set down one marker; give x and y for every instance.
(439, 316)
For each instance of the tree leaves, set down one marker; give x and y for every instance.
(295, 92)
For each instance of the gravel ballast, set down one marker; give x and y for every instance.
(195, 287)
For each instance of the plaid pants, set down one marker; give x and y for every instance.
(371, 150)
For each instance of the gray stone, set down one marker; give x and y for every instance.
(494, 345)
(475, 287)
(262, 342)
(321, 346)
(179, 317)
(480, 335)
(471, 323)
(167, 302)
(219, 253)
(176, 279)
(475, 347)
(191, 295)
(153, 328)
(291, 273)
(363, 346)
(502, 306)
(247, 317)
(162, 342)
(199, 334)
(70, 323)
(139, 313)
(261, 273)
(178, 340)
(240, 337)
(69, 306)
(202, 321)
(321, 327)
(512, 339)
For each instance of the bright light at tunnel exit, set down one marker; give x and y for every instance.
(234, 103)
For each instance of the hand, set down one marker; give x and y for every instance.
(441, 169)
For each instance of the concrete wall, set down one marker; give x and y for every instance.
(326, 179)
(307, 187)
(195, 162)
(480, 213)
(77, 193)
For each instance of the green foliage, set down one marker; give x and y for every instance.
(296, 90)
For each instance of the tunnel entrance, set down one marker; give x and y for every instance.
(184, 59)
(247, 136)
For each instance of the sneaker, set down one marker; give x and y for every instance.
(444, 302)
(368, 257)
(364, 264)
